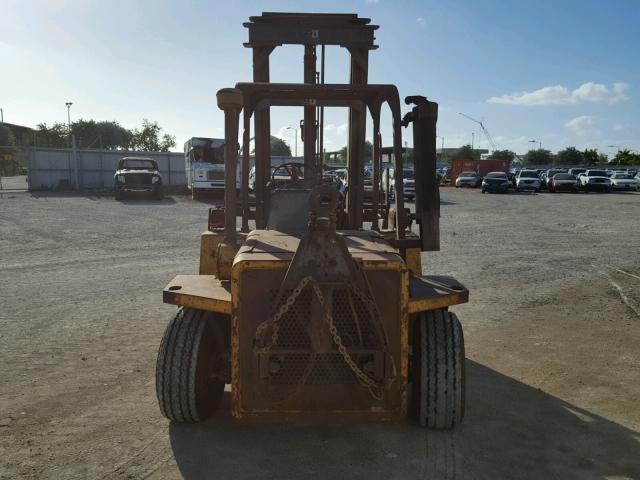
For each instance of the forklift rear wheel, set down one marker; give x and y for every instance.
(438, 370)
(185, 387)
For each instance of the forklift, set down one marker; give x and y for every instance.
(320, 311)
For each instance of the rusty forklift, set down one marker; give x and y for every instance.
(321, 312)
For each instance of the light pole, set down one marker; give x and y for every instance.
(442, 146)
(68, 104)
(617, 147)
(534, 143)
(295, 130)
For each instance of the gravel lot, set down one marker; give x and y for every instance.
(552, 332)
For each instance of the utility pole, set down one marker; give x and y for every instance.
(295, 130)
(1, 115)
(473, 136)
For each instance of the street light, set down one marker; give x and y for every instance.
(442, 144)
(617, 147)
(539, 143)
(68, 104)
(296, 138)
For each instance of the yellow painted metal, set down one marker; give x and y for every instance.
(203, 292)
(224, 256)
(209, 242)
(368, 249)
(414, 261)
(435, 292)
(274, 250)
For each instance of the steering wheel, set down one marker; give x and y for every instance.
(294, 170)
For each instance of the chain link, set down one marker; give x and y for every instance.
(373, 386)
(274, 321)
(365, 379)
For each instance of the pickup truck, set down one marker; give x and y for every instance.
(592, 180)
(137, 175)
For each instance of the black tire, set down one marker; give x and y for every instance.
(438, 370)
(185, 387)
(119, 195)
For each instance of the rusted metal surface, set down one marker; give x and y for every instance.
(364, 247)
(262, 135)
(309, 127)
(319, 317)
(204, 292)
(424, 117)
(230, 100)
(216, 218)
(357, 130)
(328, 345)
(433, 292)
(343, 29)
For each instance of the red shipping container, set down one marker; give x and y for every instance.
(481, 167)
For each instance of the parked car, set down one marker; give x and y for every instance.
(408, 182)
(623, 181)
(137, 175)
(563, 182)
(549, 174)
(528, 180)
(468, 179)
(576, 171)
(495, 182)
(592, 180)
(513, 174)
(543, 179)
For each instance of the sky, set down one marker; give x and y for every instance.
(562, 72)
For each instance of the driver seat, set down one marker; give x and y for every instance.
(288, 210)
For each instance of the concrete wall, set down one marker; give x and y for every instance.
(55, 168)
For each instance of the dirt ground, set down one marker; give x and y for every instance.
(552, 333)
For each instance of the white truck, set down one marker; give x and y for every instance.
(595, 180)
(204, 165)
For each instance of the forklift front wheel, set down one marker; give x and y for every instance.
(438, 373)
(185, 387)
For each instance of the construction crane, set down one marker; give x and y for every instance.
(484, 129)
(494, 147)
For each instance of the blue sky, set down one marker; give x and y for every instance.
(563, 72)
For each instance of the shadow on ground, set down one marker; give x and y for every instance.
(129, 200)
(511, 430)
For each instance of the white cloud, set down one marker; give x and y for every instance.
(421, 20)
(342, 129)
(561, 95)
(618, 126)
(582, 125)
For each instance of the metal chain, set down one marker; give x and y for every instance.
(365, 379)
(274, 321)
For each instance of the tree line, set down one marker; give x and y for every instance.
(91, 134)
(541, 156)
